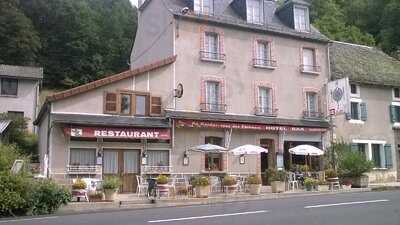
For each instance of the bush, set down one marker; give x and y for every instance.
(253, 179)
(275, 175)
(309, 182)
(162, 179)
(8, 154)
(79, 184)
(20, 195)
(111, 183)
(353, 164)
(200, 181)
(229, 181)
(330, 173)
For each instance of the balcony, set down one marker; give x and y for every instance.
(266, 111)
(156, 169)
(310, 69)
(264, 63)
(212, 56)
(83, 169)
(313, 115)
(213, 108)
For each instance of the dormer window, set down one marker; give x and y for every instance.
(254, 11)
(204, 7)
(301, 19)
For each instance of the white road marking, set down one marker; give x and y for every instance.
(345, 203)
(205, 217)
(37, 218)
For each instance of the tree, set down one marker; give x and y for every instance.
(389, 35)
(20, 42)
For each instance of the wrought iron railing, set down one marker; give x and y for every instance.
(213, 107)
(313, 115)
(266, 111)
(214, 56)
(83, 169)
(264, 63)
(310, 68)
(156, 169)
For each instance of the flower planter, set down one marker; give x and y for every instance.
(254, 189)
(309, 188)
(163, 190)
(110, 194)
(230, 189)
(202, 191)
(360, 182)
(323, 188)
(278, 186)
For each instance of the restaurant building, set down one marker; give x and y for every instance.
(224, 72)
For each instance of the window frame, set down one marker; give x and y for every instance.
(252, 19)
(369, 152)
(84, 149)
(267, 61)
(394, 93)
(204, 101)
(133, 104)
(201, 8)
(306, 19)
(1, 87)
(305, 68)
(358, 91)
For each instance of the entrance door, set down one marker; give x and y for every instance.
(267, 159)
(123, 164)
(397, 146)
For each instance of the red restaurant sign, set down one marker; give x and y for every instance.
(115, 132)
(244, 126)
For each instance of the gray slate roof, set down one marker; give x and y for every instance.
(364, 65)
(24, 72)
(109, 120)
(245, 119)
(225, 14)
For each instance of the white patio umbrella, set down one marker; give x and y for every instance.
(248, 150)
(208, 148)
(306, 150)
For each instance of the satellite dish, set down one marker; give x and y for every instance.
(185, 10)
(179, 91)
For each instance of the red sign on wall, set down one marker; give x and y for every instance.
(120, 133)
(244, 126)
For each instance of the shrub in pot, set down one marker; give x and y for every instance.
(201, 185)
(331, 174)
(79, 185)
(110, 187)
(353, 166)
(229, 183)
(96, 197)
(162, 185)
(254, 183)
(309, 183)
(323, 186)
(277, 178)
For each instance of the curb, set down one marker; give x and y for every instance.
(89, 208)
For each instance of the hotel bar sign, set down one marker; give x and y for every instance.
(244, 126)
(119, 133)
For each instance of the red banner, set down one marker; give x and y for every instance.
(116, 132)
(243, 126)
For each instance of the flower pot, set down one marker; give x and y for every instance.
(163, 190)
(309, 187)
(254, 189)
(110, 194)
(230, 189)
(278, 186)
(323, 188)
(202, 191)
(360, 182)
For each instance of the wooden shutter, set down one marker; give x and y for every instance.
(393, 114)
(364, 114)
(110, 102)
(155, 106)
(388, 156)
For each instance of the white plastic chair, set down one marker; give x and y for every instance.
(292, 182)
(142, 185)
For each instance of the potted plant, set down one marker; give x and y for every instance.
(323, 186)
(229, 183)
(277, 179)
(254, 183)
(110, 186)
(201, 185)
(352, 167)
(331, 175)
(162, 185)
(96, 196)
(309, 183)
(79, 189)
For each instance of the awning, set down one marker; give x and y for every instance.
(3, 125)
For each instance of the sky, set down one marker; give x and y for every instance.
(134, 2)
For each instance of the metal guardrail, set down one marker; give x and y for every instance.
(156, 169)
(264, 63)
(211, 107)
(266, 111)
(212, 56)
(310, 68)
(92, 169)
(313, 115)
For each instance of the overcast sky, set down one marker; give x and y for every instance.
(134, 2)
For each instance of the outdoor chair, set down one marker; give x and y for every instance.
(215, 184)
(142, 186)
(292, 181)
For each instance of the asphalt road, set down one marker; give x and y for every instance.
(370, 208)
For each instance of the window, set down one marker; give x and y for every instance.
(158, 158)
(82, 157)
(254, 11)
(126, 104)
(395, 113)
(263, 56)
(204, 6)
(213, 96)
(301, 19)
(16, 114)
(264, 100)
(140, 103)
(9, 87)
(309, 61)
(312, 102)
(132, 103)
(358, 111)
(214, 140)
(355, 111)
(213, 161)
(376, 155)
(211, 46)
(396, 93)
(354, 90)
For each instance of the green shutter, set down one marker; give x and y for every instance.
(388, 156)
(364, 114)
(393, 114)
